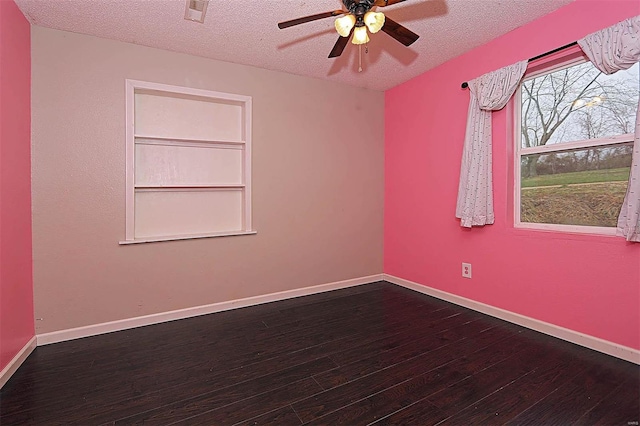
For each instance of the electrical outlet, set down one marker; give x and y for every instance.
(466, 270)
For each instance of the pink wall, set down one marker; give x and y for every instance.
(16, 287)
(589, 284)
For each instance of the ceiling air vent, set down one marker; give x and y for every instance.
(195, 10)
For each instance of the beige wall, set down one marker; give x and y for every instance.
(318, 154)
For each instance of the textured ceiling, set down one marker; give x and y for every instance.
(246, 32)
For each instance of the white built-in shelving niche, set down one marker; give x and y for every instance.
(188, 163)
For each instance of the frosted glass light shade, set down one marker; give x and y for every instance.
(344, 24)
(360, 35)
(374, 21)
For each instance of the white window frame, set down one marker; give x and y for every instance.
(245, 102)
(519, 152)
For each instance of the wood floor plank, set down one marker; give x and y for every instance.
(337, 398)
(375, 318)
(521, 356)
(49, 373)
(391, 399)
(125, 403)
(424, 325)
(571, 401)
(373, 353)
(141, 386)
(224, 325)
(455, 363)
(262, 343)
(420, 413)
(384, 357)
(222, 397)
(385, 300)
(516, 397)
(479, 385)
(434, 346)
(254, 406)
(620, 407)
(436, 384)
(284, 416)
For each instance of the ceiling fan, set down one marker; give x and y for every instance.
(358, 17)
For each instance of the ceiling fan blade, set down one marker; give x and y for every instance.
(338, 48)
(298, 21)
(383, 3)
(400, 33)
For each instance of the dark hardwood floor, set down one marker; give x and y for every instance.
(376, 353)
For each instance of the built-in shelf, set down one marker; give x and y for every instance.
(186, 187)
(155, 140)
(187, 237)
(184, 148)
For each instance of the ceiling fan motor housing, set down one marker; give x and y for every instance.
(358, 8)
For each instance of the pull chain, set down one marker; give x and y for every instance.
(366, 50)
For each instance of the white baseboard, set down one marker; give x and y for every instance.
(108, 327)
(604, 346)
(17, 361)
(595, 343)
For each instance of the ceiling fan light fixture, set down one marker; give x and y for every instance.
(345, 24)
(374, 21)
(355, 18)
(360, 35)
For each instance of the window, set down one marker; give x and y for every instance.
(188, 163)
(574, 139)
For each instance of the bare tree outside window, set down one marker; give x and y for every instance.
(596, 112)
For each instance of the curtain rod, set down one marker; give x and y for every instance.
(465, 84)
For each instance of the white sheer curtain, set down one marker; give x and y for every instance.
(610, 50)
(489, 92)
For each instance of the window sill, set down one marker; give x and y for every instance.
(185, 237)
(568, 229)
(567, 232)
